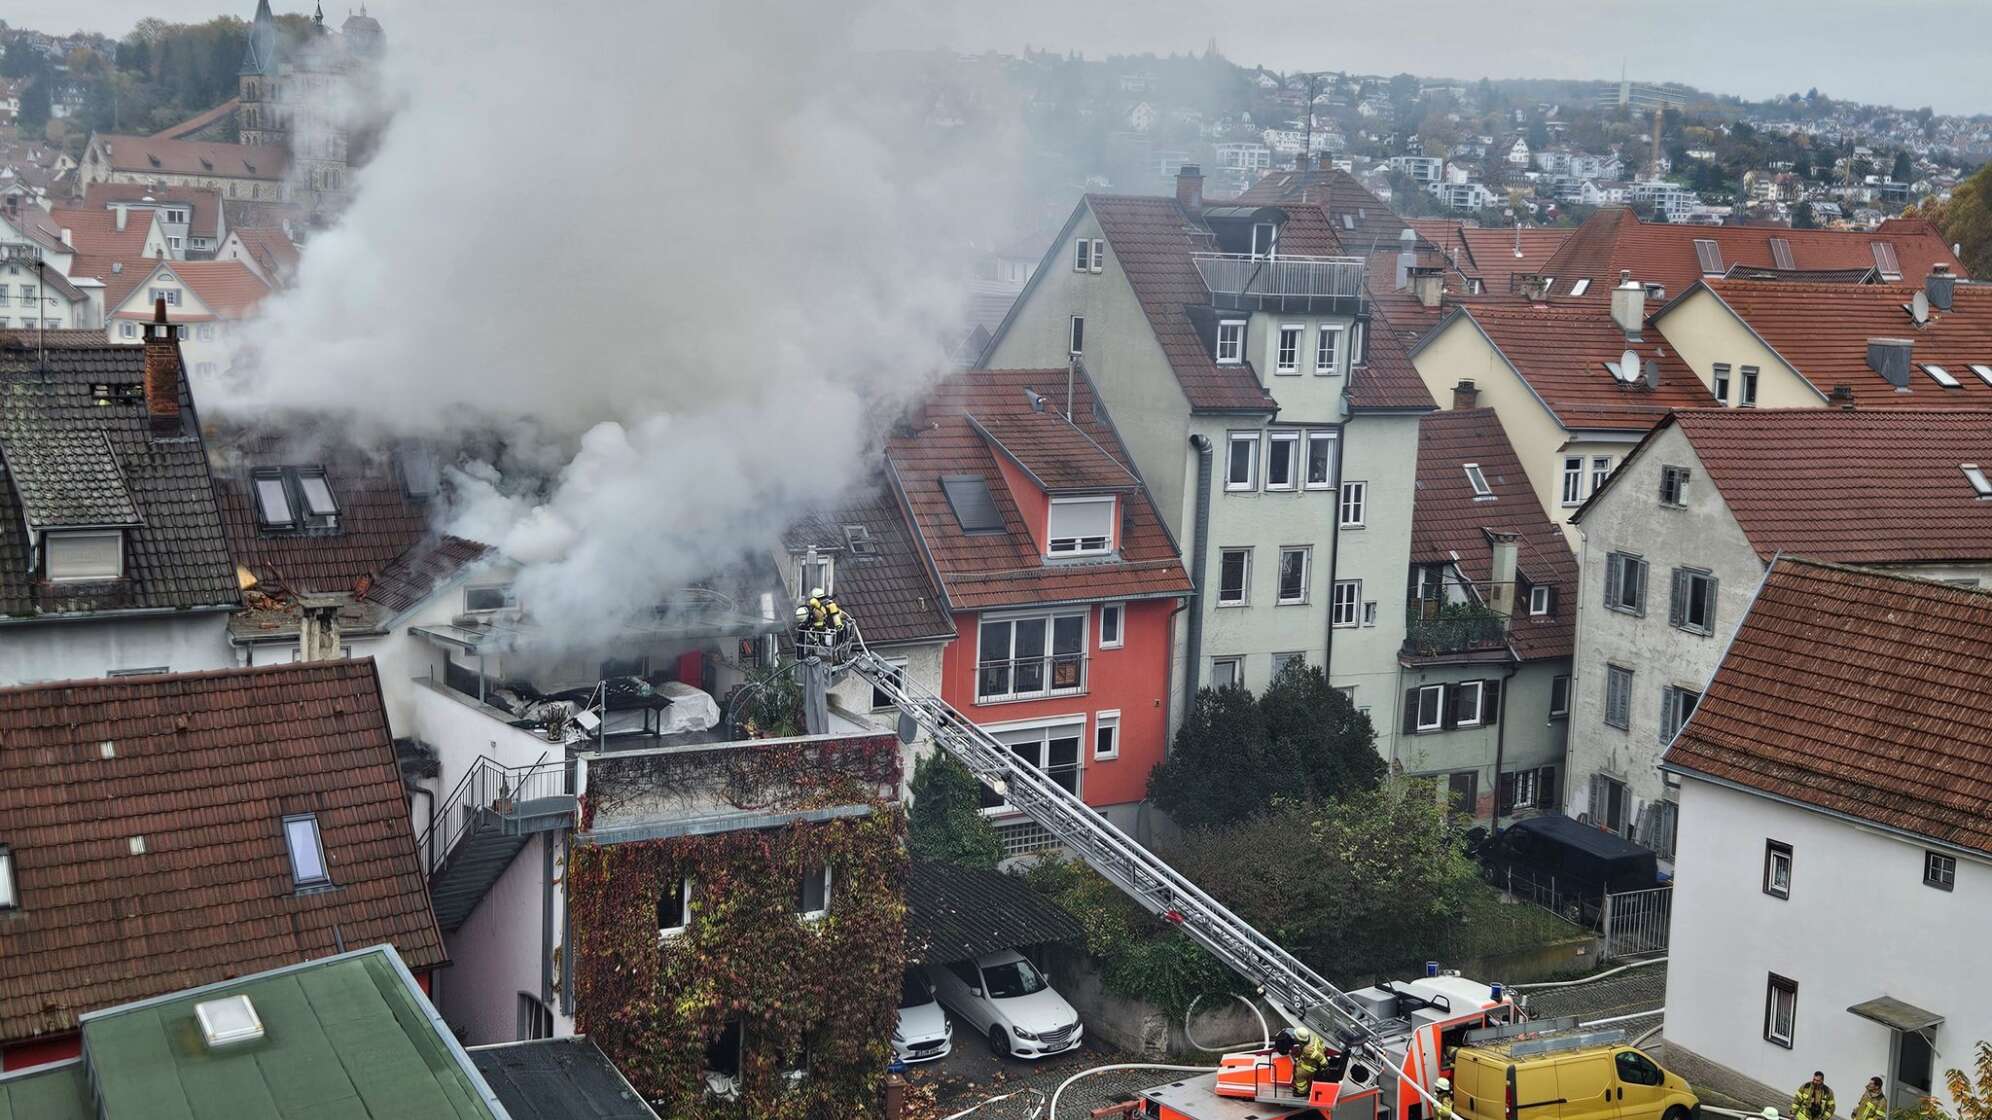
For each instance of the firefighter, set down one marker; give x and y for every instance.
(1814, 1099)
(1307, 1062)
(1443, 1094)
(837, 622)
(801, 627)
(1872, 1105)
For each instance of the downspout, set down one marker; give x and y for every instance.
(1500, 745)
(546, 922)
(1200, 547)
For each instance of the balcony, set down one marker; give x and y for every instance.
(1321, 285)
(1432, 630)
(1028, 678)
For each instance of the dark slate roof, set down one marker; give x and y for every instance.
(890, 593)
(413, 576)
(176, 554)
(1860, 694)
(1360, 219)
(559, 1079)
(67, 479)
(204, 767)
(954, 913)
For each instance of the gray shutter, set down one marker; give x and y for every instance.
(1490, 701)
(1611, 579)
(1446, 696)
(1639, 587)
(1411, 710)
(1677, 608)
(1713, 586)
(1549, 795)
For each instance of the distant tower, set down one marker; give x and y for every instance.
(257, 82)
(292, 101)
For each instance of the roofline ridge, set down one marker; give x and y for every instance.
(347, 665)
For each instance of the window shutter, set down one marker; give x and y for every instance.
(1411, 710)
(1552, 599)
(1490, 701)
(1447, 717)
(1549, 795)
(1639, 587)
(1677, 608)
(1612, 565)
(1099, 254)
(1597, 805)
(1505, 792)
(1713, 585)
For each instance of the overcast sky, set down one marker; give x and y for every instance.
(1902, 52)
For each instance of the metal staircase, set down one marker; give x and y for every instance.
(493, 813)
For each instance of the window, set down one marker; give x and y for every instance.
(1282, 660)
(1430, 709)
(880, 700)
(1983, 371)
(9, 897)
(1110, 626)
(1710, 256)
(1693, 605)
(1939, 871)
(1080, 526)
(1885, 261)
(968, 496)
(1265, 239)
(1225, 673)
(1748, 397)
(1534, 788)
(1078, 337)
(480, 599)
(535, 1019)
(1676, 705)
(273, 507)
(170, 295)
(1354, 504)
(674, 906)
(1054, 749)
(1581, 286)
(1099, 254)
(1542, 600)
(1242, 461)
(1347, 608)
(1294, 564)
(1478, 481)
(319, 507)
(1358, 345)
(1106, 735)
(1618, 697)
(1281, 450)
(1674, 486)
(1287, 358)
(307, 857)
(128, 330)
(1781, 253)
(1327, 344)
(1369, 612)
(84, 557)
(1940, 375)
(1777, 869)
(1601, 469)
(1320, 460)
(1015, 663)
(1234, 574)
(810, 576)
(1082, 255)
(1721, 377)
(206, 332)
(173, 243)
(1559, 697)
(1573, 480)
(1625, 583)
(1975, 474)
(1466, 703)
(1780, 1010)
(1635, 1068)
(812, 898)
(1230, 342)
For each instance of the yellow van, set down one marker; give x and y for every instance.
(1598, 1082)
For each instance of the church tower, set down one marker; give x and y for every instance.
(259, 84)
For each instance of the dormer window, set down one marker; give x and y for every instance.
(1080, 526)
(819, 572)
(1265, 240)
(77, 557)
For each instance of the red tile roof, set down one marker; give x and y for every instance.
(204, 767)
(1858, 693)
(1363, 222)
(1387, 381)
(987, 570)
(273, 249)
(94, 232)
(228, 288)
(1449, 522)
(1054, 452)
(1822, 331)
(415, 574)
(1850, 486)
(889, 592)
(1613, 239)
(1494, 257)
(156, 155)
(204, 206)
(1561, 353)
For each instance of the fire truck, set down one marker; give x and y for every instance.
(1388, 1043)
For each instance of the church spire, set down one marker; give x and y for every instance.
(260, 57)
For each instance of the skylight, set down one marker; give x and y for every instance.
(9, 899)
(273, 506)
(1983, 371)
(1940, 375)
(307, 857)
(1885, 261)
(1979, 482)
(228, 1020)
(974, 509)
(859, 538)
(1479, 481)
(1710, 256)
(1781, 253)
(1581, 286)
(317, 495)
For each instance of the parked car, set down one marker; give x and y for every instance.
(1603, 1082)
(924, 1032)
(1004, 998)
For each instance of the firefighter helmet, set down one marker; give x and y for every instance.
(1444, 1085)
(1303, 1035)
(816, 593)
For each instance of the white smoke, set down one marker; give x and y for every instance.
(682, 260)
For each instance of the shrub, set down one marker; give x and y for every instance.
(946, 822)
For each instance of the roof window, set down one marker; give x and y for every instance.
(9, 897)
(1940, 375)
(228, 1020)
(273, 506)
(859, 539)
(307, 854)
(1581, 286)
(1781, 254)
(1885, 261)
(1479, 481)
(1710, 256)
(294, 498)
(974, 508)
(417, 467)
(1983, 371)
(1976, 475)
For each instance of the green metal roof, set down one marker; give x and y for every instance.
(57, 1092)
(349, 1036)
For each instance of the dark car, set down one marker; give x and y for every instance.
(1554, 856)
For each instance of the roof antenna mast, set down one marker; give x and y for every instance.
(1071, 368)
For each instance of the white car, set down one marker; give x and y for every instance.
(924, 1032)
(1004, 998)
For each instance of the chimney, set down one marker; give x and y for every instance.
(122, 211)
(1466, 395)
(1940, 286)
(1889, 357)
(1429, 285)
(1407, 256)
(1189, 188)
(318, 628)
(162, 371)
(66, 237)
(1629, 304)
(1841, 397)
(1501, 581)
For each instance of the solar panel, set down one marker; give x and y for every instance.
(968, 495)
(1781, 253)
(1710, 255)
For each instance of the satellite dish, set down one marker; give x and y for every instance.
(1919, 307)
(1629, 367)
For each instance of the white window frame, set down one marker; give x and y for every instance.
(1354, 495)
(1369, 612)
(1980, 482)
(66, 536)
(1940, 375)
(1286, 359)
(1291, 441)
(1048, 657)
(1307, 461)
(1719, 381)
(10, 893)
(1983, 371)
(1674, 479)
(128, 330)
(1939, 872)
(1271, 249)
(829, 881)
(1306, 575)
(1601, 471)
(1438, 720)
(299, 828)
(1358, 346)
(1345, 609)
(1245, 581)
(1746, 393)
(1776, 987)
(1107, 721)
(1230, 342)
(504, 589)
(1237, 665)
(898, 665)
(1075, 335)
(684, 884)
(1230, 457)
(1044, 730)
(1477, 478)
(1538, 600)
(1559, 712)
(1119, 611)
(1777, 854)
(1573, 480)
(1684, 581)
(1099, 255)
(1328, 345)
(1075, 548)
(1459, 690)
(1082, 254)
(1579, 287)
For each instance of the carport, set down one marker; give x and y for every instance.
(954, 913)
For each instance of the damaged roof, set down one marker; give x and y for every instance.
(879, 577)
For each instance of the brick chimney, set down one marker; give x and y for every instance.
(1501, 580)
(1629, 304)
(1189, 188)
(162, 371)
(1466, 395)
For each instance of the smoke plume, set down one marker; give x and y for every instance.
(681, 261)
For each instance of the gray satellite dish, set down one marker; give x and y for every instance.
(1919, 307)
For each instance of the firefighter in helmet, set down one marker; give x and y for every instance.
(1308, 1060)
(1442, 1092)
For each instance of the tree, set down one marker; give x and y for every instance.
(35, 105)
(946, 822)
(1332, 743)
(1966, 221)
(1801, 217)
(1903, 170)
(1973, 1093)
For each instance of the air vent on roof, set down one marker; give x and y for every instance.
(974, 508)
(859, 539)
(1889, 357)
(228, 1021)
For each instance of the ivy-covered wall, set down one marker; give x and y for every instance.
(828, 987)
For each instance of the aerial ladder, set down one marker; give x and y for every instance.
(1388, 1044)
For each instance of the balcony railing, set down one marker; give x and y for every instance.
(1023, 678)
(1429, 633)
(1239, 274)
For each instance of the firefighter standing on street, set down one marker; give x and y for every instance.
(1307, 1062)
(1814, 1100)
(1872, 1105)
